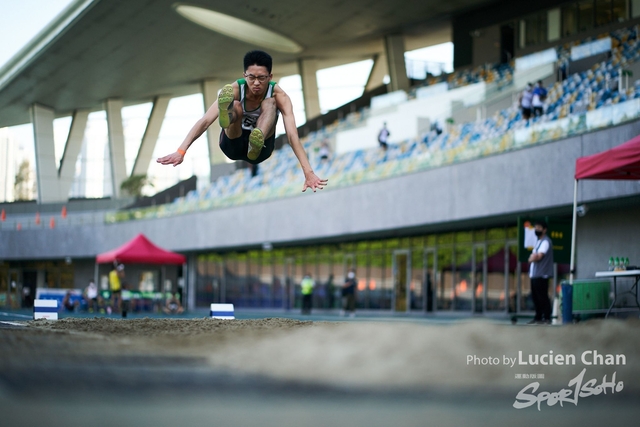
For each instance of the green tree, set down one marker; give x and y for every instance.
(134, 184)
(22, 186)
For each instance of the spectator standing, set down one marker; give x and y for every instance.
(349, 294)
(27, 299)
(525, 101)
(540, 271)
(563, 69)
(435, 127)
(307, 286)
(330, 291)
(383, 136)
(116, 276)
(91, 296)
(324, 151)
(254, 169)
(538, 99)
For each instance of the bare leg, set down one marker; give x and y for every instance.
(265, 127)
(267, 120)
(235, 128)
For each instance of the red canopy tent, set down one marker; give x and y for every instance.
(140, 250)
(619, 163)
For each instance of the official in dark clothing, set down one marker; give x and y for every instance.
(349, 294)
(540, 271)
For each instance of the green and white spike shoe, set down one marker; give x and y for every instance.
(225, 106)
(256, 142)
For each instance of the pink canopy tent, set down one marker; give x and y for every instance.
(619, 163)
(140, 250)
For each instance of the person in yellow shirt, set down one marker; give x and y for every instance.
(306, 286)
(115, 286)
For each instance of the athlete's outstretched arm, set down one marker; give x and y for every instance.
(283, 103)
(198, 129)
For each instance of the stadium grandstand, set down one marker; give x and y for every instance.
(433, 224)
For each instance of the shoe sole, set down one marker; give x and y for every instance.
(225, 100)
(256, 142)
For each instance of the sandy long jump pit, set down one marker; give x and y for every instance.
(366, 373)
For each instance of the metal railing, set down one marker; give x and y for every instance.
(30, 221)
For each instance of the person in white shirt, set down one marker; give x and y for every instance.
(540, 271)
(91, 296)
(525, 101)
(383, 136)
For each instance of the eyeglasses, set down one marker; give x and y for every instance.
(251, 78)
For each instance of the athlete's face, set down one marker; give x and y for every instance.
(257, 78)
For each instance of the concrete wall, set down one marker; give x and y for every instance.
(605, 233)
(75, 205)
(486, 46)
(497, 13)
(83, 272)
(530, 181)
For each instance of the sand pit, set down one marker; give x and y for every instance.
(279, 372)
(365, 355)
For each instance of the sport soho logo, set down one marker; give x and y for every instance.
(577, 387)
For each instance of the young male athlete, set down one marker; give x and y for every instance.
(248, 111)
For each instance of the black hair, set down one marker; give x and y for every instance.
(258, 57)
(541, 223)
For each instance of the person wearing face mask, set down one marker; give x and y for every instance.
(540, 271)
(349, 294)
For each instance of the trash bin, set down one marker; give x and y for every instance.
(585, 298)
(591, 294)
(567, 302)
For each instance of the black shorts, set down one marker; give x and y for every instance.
(237, 148)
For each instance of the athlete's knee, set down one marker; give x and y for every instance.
(237, 110)
(268, 103)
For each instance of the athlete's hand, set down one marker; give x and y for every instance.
(313, 182)
(171, 159)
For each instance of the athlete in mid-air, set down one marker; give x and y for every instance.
(248, 111)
